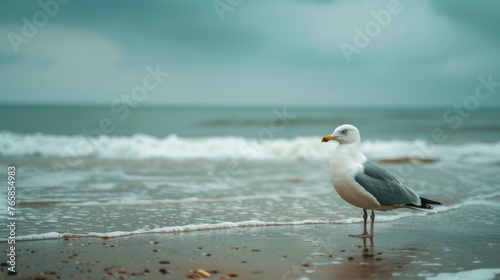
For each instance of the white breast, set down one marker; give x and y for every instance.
(346, 161)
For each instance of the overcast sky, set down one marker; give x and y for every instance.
(265, 52)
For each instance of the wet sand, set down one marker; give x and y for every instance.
(415, 247)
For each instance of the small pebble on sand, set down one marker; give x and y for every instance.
(202, 272)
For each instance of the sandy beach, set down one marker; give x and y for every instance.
(416, 247)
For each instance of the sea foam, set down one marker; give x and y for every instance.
(476, 274)
(170, 229)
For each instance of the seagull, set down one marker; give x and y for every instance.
(365, 184)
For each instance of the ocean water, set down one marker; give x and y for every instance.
(94, 172)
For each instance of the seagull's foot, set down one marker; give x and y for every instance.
(364, 235)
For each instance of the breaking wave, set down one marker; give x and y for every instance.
(172, 147)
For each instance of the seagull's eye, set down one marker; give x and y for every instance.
(344, 131)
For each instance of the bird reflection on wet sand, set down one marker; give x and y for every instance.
(364, 261)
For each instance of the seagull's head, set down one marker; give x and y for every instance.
(344, 134)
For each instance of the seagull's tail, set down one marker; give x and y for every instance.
(425, 204)
(424, 200)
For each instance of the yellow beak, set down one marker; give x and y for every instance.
(328, 138)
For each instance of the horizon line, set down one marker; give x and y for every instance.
(239, 106)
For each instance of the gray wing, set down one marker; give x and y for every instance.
(384, 186)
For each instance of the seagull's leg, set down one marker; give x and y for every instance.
(365, 233)
(372, 218)
(365, 216)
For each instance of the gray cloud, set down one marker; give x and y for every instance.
(483, 16)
